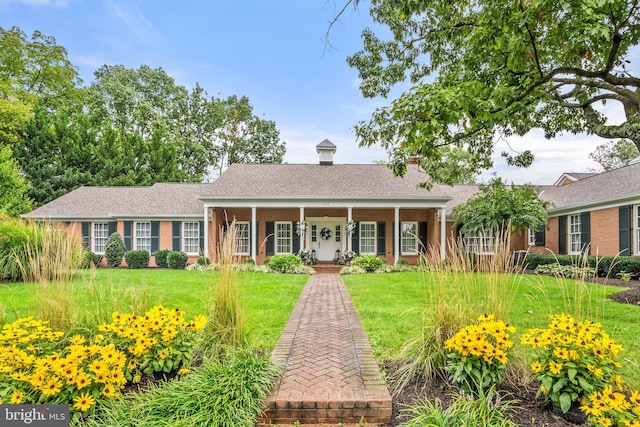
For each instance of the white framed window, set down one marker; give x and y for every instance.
(142, 236)
(636, 229)
(479, 242)
(409, 238)
(531, 237)
(575, 245)
(338, 234)
(242, 238)
(314, 233)
(283, 238)
(368, 238)
(99, 236)
(191, 237)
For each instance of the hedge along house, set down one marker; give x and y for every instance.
(326, 209)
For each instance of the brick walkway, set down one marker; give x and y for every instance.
(330, 375)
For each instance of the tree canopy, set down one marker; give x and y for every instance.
(499, 208)
(615, 154)
(473, 72)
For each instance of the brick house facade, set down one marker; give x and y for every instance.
(391, 217)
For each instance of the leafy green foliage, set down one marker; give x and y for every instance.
(161, 257)
(91, 259)
(606, 266)
(497, 207)
(177, 260)
(570, 271)
(114, 250)
(486, 69)
(14, 237)
(369, 262)
(249, 261)
(13, 187)
(137, 259)
(284, 263)
(203, 260)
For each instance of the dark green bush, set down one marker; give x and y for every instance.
(177, 260)
(161, 257)
(249, 261)
(114, 250)
(91, 259)
(203, 260)
(368, 262)
(266, 261)
(402, 261)
(137, 259)
(282, 263)
(605, 266)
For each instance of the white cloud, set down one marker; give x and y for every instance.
(133, 18)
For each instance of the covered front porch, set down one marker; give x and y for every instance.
(329, 229)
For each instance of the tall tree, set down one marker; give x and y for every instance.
(13, 187)
(246, 138)
(33, 71)
(613, 155)
(501, 208)
(484, 69)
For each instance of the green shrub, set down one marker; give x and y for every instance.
(114, 250)
(91, 259)
(161, 257)
(203, 260)
(14, 236)
(177, 260)
(570, 271)
(606, 266)
(402, 261)
(282, 263)
(137, 259)
(368, 262)
(266, 261)
(249, 261)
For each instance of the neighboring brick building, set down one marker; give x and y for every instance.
(389, 216)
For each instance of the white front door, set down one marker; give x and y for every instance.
(323, 239)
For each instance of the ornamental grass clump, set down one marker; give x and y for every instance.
(573, 359)
(477, 354)
(612, 408)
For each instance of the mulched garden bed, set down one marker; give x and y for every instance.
(529, 412)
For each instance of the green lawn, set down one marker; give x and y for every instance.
(268, 298)
(390, 307)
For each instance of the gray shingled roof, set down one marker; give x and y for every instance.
(288, 181)
(606, 187)
(161, 199)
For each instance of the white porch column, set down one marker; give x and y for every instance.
(443, 233)
(396, 241)
(302, 232)
(349, 219)
(206, 232)
(254, 235)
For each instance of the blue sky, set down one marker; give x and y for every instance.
(275, 52)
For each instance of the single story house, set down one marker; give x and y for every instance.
(332, 208)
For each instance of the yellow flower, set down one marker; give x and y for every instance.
(635, 397)
(83, 402)
(162, 354)
(604, 421)
(590, 409)
(82, 380)
(98, 338)
(110, 391)
(136, 379)
(184, 371)
(536, 367)
(561, 353)
(631, 423)
(555, 367)
(77, 339)
(16, 397)
(52, 386)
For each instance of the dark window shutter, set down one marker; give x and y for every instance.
(539, 236)
(128, 235)
(86, 235)
(624, 225)
(295, 244)
(585, 232)
(355, 239)
(422, 237)
(201, 238)
(381, 226)
(175, 236)
(562, 234)
(270, 238)
(155, 236)
(113, 227)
